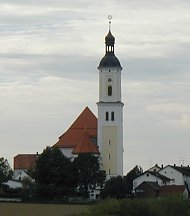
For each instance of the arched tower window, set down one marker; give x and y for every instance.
(109, 90)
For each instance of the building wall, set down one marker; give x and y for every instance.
(111, 131)
(20, 174)
(115, 75)
(145, 191)
(13, 184)
(109, 151)
(176, 176)
(67, 152)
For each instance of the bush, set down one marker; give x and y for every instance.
(141, 207)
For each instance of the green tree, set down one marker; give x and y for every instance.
(89, 174)
(121, 187)
(5, 170)
(28, 190)
(114, 188)
(128, 179)
(54, 173)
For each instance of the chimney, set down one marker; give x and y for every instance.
(162, 166)
(174, 165)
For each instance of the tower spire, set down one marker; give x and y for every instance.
(110, 18)
(109, 59)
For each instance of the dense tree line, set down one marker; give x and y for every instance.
(121, 187)
(56, 175)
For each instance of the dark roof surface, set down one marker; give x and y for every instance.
(109, 60)
(153, 185)
(164, 178)
(182, 169)
(109, 39)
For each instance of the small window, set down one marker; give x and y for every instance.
(109, 156)
(107, 116)
(147, 174)
(112, 116)
(109, 142)
(109, 171)
(109, 90)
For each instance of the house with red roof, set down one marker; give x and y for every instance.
(23, 163)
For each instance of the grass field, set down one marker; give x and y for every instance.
(20, 209)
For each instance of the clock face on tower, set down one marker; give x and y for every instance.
(109, 79)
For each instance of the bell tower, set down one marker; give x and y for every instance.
(110, 110)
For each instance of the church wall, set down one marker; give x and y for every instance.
(67, 152)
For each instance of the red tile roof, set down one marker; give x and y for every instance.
(86, 121)
(25, 161)
(85, 145)
(172, 189)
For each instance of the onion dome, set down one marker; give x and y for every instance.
(109, 60)
(109, 39)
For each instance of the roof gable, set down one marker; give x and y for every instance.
(153, 185)
(85, 121)
(85, 145)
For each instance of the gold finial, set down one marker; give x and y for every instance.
(109, 18)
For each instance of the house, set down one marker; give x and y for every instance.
(150, 176)
(147, 189)
(180, 175)
(154, 190)
(23, 163)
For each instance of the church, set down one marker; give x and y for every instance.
(101, 136)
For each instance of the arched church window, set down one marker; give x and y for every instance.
(109, 90)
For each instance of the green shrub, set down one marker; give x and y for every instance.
(170, 206)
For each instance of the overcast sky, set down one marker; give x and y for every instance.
(50, 50)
